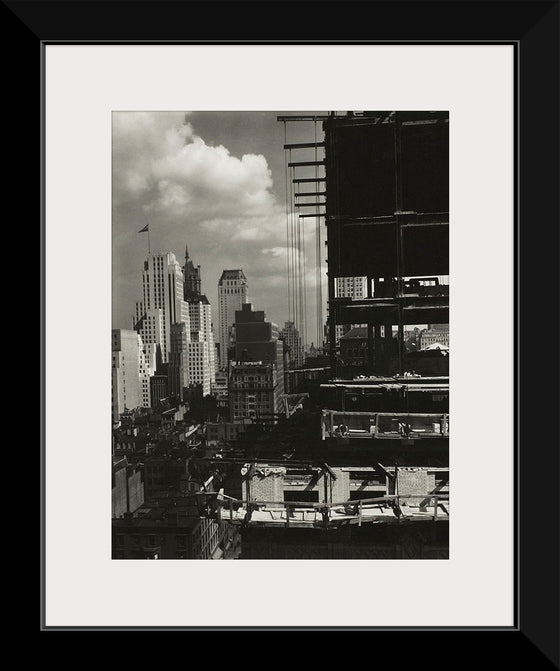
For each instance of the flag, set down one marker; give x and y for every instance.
(143, 230)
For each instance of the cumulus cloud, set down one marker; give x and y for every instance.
(159, 159)
(193, 192)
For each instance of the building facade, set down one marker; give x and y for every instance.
(126, 389)
(147, 368)
(291, 337)
(232, 294)
(159, 388)
(149, 326)
(167, 532)
(219, 389)
(307, 484)
(202, 338)
(349, 287)
(437, 333)
(162, 289)
(202, 350)
(255, 338)
(255, 391)
(178, 364)
(201, 370)
(223, 433)
(127, 487)
(353, 347)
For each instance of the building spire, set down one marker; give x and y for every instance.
(191, 278)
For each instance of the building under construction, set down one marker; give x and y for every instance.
(359, 466)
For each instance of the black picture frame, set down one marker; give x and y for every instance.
(532, 27)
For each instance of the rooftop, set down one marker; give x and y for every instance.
(357, 332)
(232, 275)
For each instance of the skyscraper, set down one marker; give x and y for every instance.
(202, 361)
(162, 289)
(232, 294)
(178, 370)
(257, 376)
(149, 326)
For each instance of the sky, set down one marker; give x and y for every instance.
(214, 181)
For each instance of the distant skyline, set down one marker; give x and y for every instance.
(214, 181)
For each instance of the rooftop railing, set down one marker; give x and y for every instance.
(392, 509)
(380, 425)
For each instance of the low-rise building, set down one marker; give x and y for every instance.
(255, 391)
(173, 529)
(436, 334)
(218, 433)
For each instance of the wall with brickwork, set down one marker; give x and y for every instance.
(341, 486)
(415, 482)
(268, 487)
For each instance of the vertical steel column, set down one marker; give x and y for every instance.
(377, 345)
(332, 322)
(370, 347)
(400, 337)
(333, 251)
(398, 224)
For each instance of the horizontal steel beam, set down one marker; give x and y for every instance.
(302, 117)
(306, 216)
(310, 193)
(296, 164)
(306, 180)
(304, 145)
(309, 204)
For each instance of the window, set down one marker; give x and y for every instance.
(301, 496)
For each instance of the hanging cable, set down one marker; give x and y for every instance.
(318, 296)
(304, 283)
(286, 175)
(297, 231)
(293, 248)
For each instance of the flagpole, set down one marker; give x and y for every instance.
(146, 229)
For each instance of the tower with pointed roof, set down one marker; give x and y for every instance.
(191, 278)
(198, 361)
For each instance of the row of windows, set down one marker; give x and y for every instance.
(251, 406)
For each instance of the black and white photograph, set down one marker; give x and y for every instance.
(280, 335)
(295, 279)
